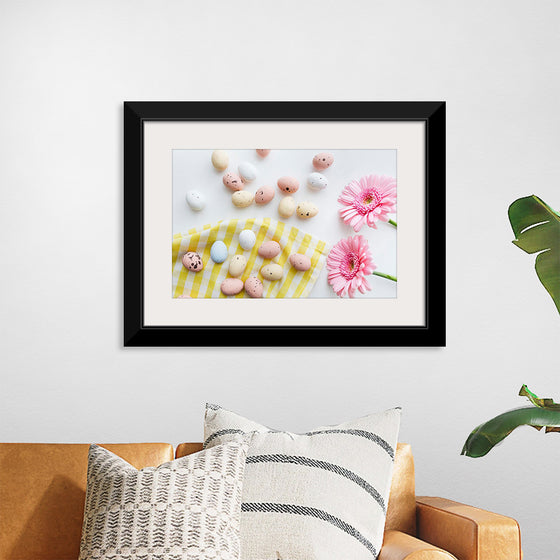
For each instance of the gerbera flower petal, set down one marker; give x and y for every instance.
(367, 200)
(348, 264)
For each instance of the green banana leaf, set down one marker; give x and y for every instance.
(536, 227)
(537, 401)
(544, 413)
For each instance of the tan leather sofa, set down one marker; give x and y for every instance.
(42, 491)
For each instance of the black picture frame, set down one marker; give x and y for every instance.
(432, 113)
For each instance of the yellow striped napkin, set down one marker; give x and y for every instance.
(206, 284)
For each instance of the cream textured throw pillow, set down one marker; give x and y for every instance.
(321, 495)
(187, 509)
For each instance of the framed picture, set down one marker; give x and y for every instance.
(284, 224)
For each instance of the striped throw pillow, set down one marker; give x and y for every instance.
(187, 509)
(320, 495)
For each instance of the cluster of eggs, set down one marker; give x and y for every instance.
(237, 264)
(287, 185)
(315, 181)
(246, 173)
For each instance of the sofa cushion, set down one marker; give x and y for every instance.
(321, 494)
(42, 492)
(186, 509)
(401, 509)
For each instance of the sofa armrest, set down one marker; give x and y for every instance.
(467, 532)
(401, 546)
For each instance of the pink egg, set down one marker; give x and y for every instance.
(323, 161)
(264, 195)
(300, 262)
(233, 182)
(288, 184)
(263, 153)
(183, 297)
(269, 249)
(254, 287)
(231, 286)
(193, 261)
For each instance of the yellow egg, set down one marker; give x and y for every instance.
(287, 207)
(237, 265)
(306, 210)
(272, 272)
(242, 199)
(220, 159)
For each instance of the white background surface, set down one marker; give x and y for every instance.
(67, 67)
(193, 170)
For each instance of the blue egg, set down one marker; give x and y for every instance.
(218, 252)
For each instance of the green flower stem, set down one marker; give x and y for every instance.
(383, 275)
(393, 223)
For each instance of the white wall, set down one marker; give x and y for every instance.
(66, 67)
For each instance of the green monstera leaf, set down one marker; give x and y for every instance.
(544, 413)
(536, 227)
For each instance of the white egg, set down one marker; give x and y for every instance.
(247, 239)
(317, 181)
(195, 200)
(247, 171)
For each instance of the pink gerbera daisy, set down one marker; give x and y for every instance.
(348, 264)
(367, 200)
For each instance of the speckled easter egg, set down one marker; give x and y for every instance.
(269, 249)
(195, 200)
(264, 195)
(306, 210)
(231, 286)
(288, 185)
(247, 239)
(300, 262)
(263, 153)
(237, 265)
(254, 287)
(218, 252)
(247, 171)
(272, 272)
(323, 161)
(242, 199)
(317, 182)
(233, 181)
(220, 159)
(193, 261)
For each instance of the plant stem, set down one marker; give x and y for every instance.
(383, 275)
(393, 223)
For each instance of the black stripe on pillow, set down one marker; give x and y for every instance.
(360, 433)
(315, 463)
(311, 512)
(221, 433)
